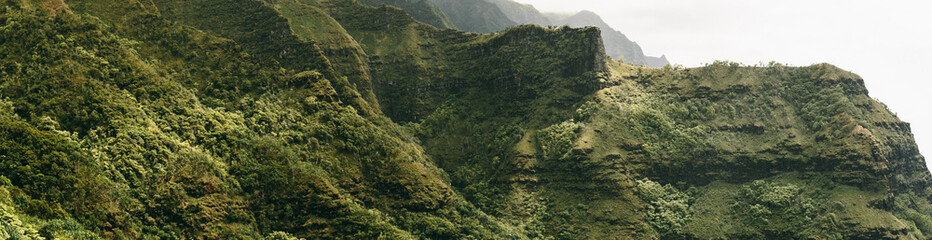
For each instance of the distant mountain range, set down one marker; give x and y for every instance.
(485, 16)
(617, 45)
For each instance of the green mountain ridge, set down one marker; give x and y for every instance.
(485, 16)
(474, 16)
(422, 10)
(338, 119)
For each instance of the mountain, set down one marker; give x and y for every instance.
(522, 13)
(656, 62)
(333, 119)
(617, 44)
(480, 16)
(422, 10)
(474, 15)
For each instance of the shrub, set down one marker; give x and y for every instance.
(557, 139)
(5, 181)
(586, 110)
(780, 210)
(668, 208)
(66, 229)
(277, 235)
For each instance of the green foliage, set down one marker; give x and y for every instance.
(12, 224)
(200, 140)
(277, 235)
(49, 169)
(417, 68)
(916, 212)
(584, 112)
(762, 200)
(4, 181)
(66, 229)
(15, 224)
(668, 208)
(556, 140)
(820, 108)
(782, 211)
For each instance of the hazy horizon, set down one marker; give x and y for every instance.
(886, 43)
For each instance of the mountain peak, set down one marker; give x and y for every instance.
(588, 16)
(588, 13)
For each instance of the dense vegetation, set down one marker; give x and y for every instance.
(333, 119)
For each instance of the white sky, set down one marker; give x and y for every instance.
(888, 43)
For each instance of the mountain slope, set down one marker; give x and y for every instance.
(474, 16)
(793, 139)
(656, 62)
(522, 13)
(152, 160)
(422, 10)
(137, 119)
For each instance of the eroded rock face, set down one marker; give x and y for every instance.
(724, 123)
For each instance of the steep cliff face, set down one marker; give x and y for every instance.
(485, 16)
(761, 146)
(147, 119)
(618, 45)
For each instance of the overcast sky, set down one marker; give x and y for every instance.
(888, 43)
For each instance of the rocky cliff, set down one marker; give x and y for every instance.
(617, 45)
